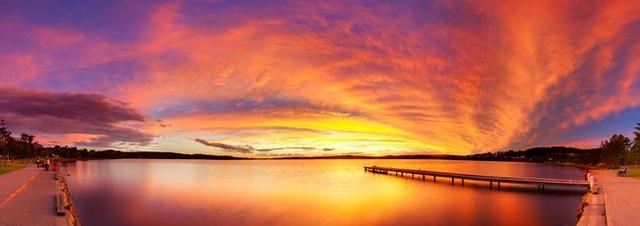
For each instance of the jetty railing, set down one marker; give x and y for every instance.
(540, 182)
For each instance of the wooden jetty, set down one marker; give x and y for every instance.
(540, 182)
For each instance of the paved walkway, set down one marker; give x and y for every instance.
(27, 197)
(594, 212)
(622, 198)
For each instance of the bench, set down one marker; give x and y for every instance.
(60, 204)
(622, 172)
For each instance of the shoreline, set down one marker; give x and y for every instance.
(73, 218)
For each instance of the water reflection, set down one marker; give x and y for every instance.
(309, 192)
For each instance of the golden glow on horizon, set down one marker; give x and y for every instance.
(337, 134)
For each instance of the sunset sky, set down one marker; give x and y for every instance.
(278, 78)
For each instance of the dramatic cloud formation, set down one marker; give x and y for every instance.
(96, 120)
(227, 147)
(376, 77)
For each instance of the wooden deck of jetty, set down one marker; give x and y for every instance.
(540, 182)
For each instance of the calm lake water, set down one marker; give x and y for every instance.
(311, 192)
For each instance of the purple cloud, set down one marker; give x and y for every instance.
(50, 113)
(227, 147)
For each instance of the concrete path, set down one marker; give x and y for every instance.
(622, 198)
(9, 182)
(27, 197)
(594, 212)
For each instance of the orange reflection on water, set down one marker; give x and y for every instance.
(307, 192)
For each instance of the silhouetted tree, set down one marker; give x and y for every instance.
(6, 141)
(27, 148)
(636, 141)
(614, 150)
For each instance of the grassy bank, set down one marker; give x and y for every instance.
(634, 172)
(12, 166)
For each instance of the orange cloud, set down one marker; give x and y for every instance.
(479, 89)
(436, 76)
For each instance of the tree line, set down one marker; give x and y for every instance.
(621, 150)
(26, 147)
(18, 148)
(615, 151)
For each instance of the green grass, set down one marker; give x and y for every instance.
(634, 172)
(12, 166)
